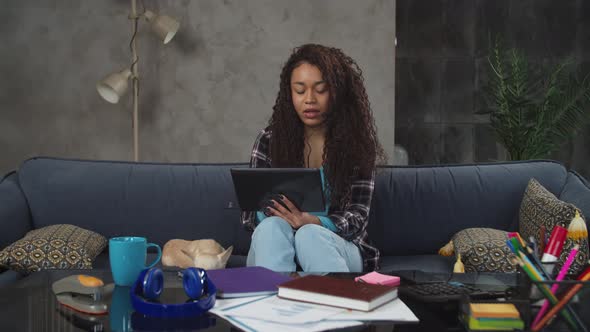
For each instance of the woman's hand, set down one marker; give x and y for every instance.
(292, 215)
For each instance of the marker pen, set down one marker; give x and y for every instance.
(553, 248)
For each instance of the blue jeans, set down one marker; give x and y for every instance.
(275, 245)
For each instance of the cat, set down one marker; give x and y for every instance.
(206, 254)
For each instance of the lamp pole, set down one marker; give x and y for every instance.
(114, 85)
(135, 122)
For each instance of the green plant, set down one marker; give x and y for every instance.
(533, 110)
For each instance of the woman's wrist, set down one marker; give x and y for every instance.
(316, 220)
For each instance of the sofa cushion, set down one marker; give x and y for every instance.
(158, 201)
(540, 207)
(417, 209)
(53, 247)
(9, 277)
(425, 263)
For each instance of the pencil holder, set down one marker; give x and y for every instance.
(577, 308)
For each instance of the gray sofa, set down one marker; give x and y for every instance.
(415, 210)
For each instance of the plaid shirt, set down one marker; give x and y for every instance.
(350, 221)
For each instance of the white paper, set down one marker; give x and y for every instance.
(224, 303)
(256, 325)
(279, 310)
(395, 310)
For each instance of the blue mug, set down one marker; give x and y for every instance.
(127, 256)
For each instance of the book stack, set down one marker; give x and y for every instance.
(307, 304)
(494, 316)
(343, 293)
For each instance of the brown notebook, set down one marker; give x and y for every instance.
(344, 293)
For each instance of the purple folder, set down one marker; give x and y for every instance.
(246, 281)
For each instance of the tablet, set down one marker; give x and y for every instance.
(255, 186)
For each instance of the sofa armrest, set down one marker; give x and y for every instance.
(15, 217)
(577, 192)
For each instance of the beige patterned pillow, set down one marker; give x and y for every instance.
(53, 247)
(483, 250)
(540, 207)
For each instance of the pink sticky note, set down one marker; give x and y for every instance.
(379, 279)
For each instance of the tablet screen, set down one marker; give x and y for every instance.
(255, 186)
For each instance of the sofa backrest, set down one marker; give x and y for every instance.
(158, 201)
(417, 209)
(577, 192)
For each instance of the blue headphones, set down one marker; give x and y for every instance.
(150, 282)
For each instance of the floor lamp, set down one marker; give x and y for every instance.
(114, 85)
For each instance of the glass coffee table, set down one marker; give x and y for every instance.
(30, 305)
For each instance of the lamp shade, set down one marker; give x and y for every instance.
(114, 86)
(163, 26)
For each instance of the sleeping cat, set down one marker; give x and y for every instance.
(206, 254)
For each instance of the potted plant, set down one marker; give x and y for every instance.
(533, 110)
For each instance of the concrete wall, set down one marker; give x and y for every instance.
(442, 64)
(203, 97)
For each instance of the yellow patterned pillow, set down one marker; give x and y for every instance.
(481, 250)
(53, 247)
(539, 207)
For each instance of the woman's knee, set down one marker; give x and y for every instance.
(309, 235)
(272, 225)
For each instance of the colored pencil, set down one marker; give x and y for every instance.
(516, 235)
(510, 246)
(516, 244)
(543, 241)
(533, 243)
(533, 258)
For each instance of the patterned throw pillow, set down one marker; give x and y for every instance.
(483, 250)
(540, 207)
(53, 247)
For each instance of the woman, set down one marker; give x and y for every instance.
(321, 119)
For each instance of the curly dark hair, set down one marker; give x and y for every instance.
(352, 148)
